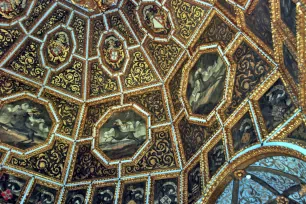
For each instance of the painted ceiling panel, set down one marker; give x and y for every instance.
(151, 101)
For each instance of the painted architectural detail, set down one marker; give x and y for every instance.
(152, 101)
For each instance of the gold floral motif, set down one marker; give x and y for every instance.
(39, 8)
(79, 26)
(48, 163)
(67, 112)
(7, 38)
(9, 86)
(59, 16)
(101, 83)
(139, 73)
(188, 17)
(27, 62)
(88, 167)
(153, 102)
(70, 79)
(217, 31)
(159, 156)
(97, 28)
(164, 54)
(116, 22)
(129, 8)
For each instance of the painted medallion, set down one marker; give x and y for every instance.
(24, 124)
(206, 83)
(122, 134)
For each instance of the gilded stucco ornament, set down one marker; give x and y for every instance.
(164, 101)
(58, 48)
(11, 8)
(95, 5)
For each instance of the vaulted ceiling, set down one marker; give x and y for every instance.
(143, 101)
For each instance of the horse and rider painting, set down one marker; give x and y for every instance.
(122, 134)
(24, 124)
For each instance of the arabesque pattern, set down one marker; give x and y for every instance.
(147, 101)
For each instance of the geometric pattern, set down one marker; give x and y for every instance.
(83, 65)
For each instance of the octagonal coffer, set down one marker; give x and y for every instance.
(122, 134)
(24, 124)
(206, 82)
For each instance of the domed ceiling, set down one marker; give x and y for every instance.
(142, 101)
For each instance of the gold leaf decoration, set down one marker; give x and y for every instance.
(101, 83)
(9, 86)
(67, 112)
(27, 62)
(70, 79)
(79, 27)
(94, 113)
(7, 38)
(164, 54)
(87, 166)
(49, 163)
(116, 22)
(159, 156)
(153, 102)
(139, 72)
(188, 17)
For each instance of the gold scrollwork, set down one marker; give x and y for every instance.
(188, 17)
(70, 79)
(140, 72)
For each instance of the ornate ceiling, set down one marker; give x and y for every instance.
(142, 101)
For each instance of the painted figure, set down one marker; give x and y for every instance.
(24, 123)
(206, 86)
(123, 130)
(122, 134)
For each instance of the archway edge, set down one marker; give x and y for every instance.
(221, 180)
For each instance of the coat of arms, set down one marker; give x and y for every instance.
(156, 19)
(113, 52)
(58, 48)
(11, 8)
